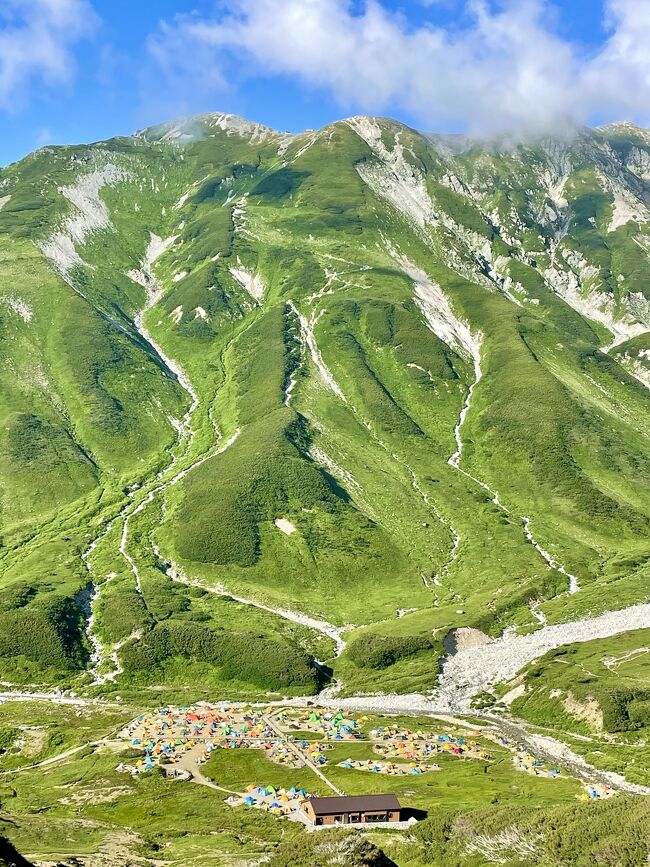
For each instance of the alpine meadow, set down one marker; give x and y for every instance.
(357, 418)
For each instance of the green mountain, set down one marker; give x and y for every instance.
(270, 399)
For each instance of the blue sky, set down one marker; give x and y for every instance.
(83, 70)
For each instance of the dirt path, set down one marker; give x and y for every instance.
(299, 755)
(553, 751)
(550, 749)
(56, 697)
(51, 760)
(322, 626)
(188, 762)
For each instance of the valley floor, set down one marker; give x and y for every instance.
(93, 765)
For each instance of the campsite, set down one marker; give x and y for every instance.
(295, 739)
(89, 765)
(272, 758)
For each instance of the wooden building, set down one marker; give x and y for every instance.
(352, 810)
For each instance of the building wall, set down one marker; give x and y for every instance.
(375, 817)
(344, 818)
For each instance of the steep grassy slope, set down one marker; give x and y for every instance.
(356, 377)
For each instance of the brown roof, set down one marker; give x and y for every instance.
(353, 804)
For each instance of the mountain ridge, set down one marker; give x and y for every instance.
(235, 122)
(274, 366)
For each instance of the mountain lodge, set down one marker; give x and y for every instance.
(352, 810)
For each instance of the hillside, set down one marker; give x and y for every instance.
(269, 399)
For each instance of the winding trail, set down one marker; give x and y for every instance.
(574, 584)
(55, 696)
(51, 761)
(335, 633)
(448, 327)
(137, 502)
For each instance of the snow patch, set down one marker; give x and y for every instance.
(4, 200)
(284, 526)
(177, 314)
(252, 283)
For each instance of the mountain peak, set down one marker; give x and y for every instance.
(625, 128)
(191, 128)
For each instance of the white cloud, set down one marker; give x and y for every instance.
(505, 67)
(36, 38)
(191, 69)
(619, 76)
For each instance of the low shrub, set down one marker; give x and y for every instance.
(48, 632)
(381, 651)
(266, 662)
